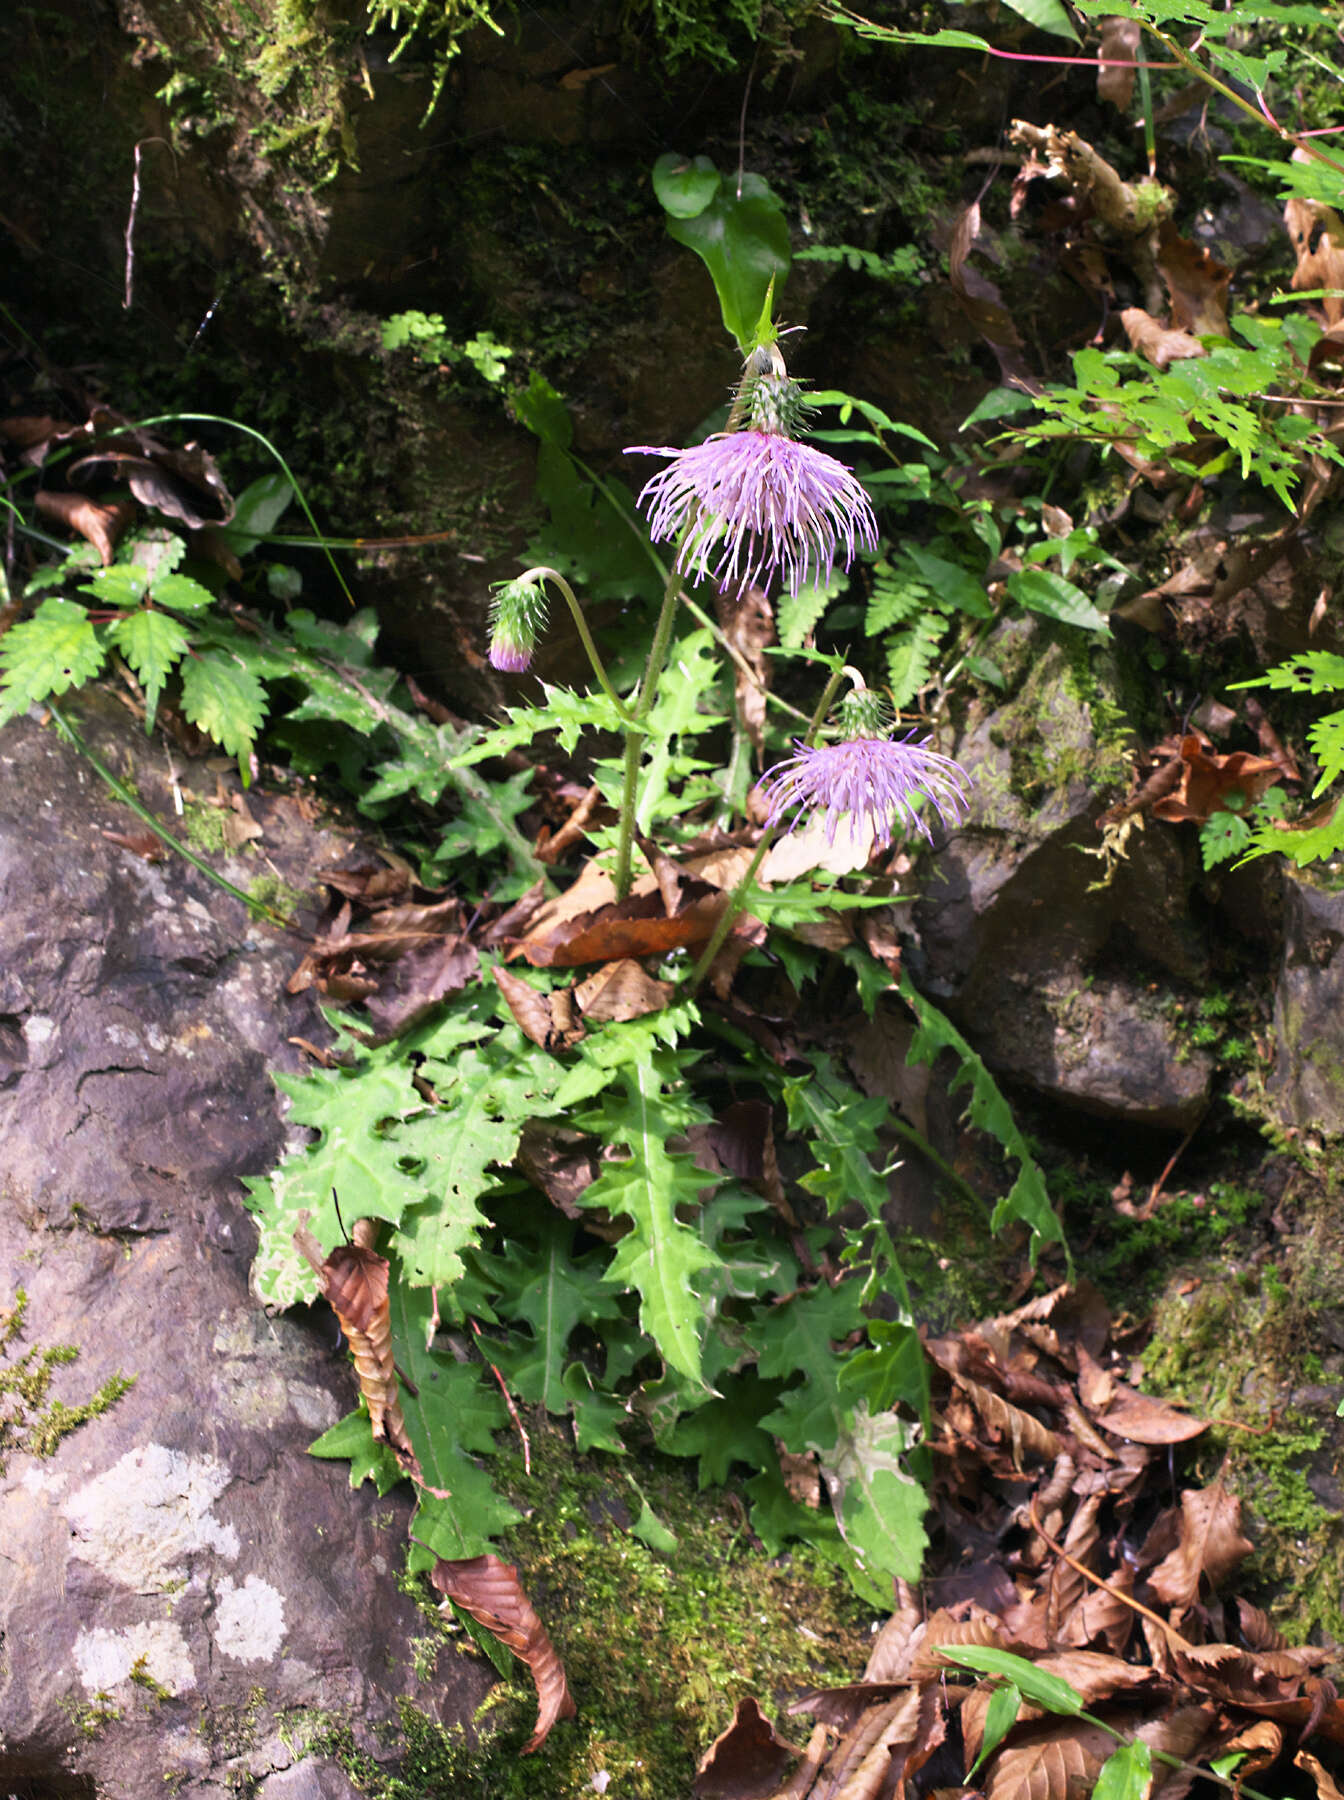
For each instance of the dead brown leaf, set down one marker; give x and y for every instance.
(747, 1761)
(621, 990)
(100, 525)
(145, 844)
(1196, 282)
(550, 1020)
(1326, 1788)
(415, 984)
(1208, 777)
(1161, 344)
(1053, 1762)
(747, 621)
(1120, 39)
(491, 1592)
(1209, 1546)
(1317, 233)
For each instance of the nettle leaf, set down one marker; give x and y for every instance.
(151, 642)
(879, 1506)
(1027, 1200)
(123, 584)
(487, 1093)
(659, 1256)
(182, 594)
(55, 650)
(541, 1284)
(451, 1417)
(222, 696)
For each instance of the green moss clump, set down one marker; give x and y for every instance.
(657, 1649)
(29, 1422)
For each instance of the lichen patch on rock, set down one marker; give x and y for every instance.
(155, 1651)
(249, 1620)
(144, 1517)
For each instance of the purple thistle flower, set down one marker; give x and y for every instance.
(755, 505)
(868, 779)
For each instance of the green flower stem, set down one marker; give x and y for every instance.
(256, 908)
(737, 898)
(585, 637)
(634, 737)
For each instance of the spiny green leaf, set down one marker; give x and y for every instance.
(55, 650)
(540, 1283)
(1027, 1200)
(225, 699)
(151, 642)
(369, 1460)
(486, 1094)
(659, 1256)
(728, 1429)
(797, 1342)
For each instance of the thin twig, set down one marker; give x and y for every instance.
(1173, 1636)
(508, 1401)
(131, 218)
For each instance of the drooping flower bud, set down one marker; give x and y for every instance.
(517, 619)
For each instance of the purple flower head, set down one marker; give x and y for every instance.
(755, 505)
(870, 780)
(517, 617)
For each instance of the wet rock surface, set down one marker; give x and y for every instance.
(181, 1580)
(1055, 965)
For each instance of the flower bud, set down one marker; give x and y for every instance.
(517, 619)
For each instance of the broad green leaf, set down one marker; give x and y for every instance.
(879, 1506)
(55, 650)
(181, 594)
(151, 642)
(1126, 1774)
(544, 412)
(999, 403)
(1042, 591)
(256, 513)
(1046, 15)
(599, 1418)
(1036, 1685)
(742, 237)
(685, 188)
(225, 699)
(589, 537)
(952, 582)
(1000, 1716)
(658, 1257)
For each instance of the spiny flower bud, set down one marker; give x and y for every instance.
(517, 619)
(862, 713)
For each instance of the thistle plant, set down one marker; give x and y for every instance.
(753, 506)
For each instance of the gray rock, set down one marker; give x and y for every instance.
(179, 1571)
(1306, 1085)
(1055, 972)
(314, 1778)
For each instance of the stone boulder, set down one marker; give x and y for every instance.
(1055, 966)
(181, 1584)
(1306, 1084)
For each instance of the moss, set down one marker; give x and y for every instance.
(657, 1649)
(275, 894)
(30, 1423)
(204, 825)
(91, 1718)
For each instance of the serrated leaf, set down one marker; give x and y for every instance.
(225, 699)
(727, 1429)
(369, 1459)
(182, 594)
(151, 642)
(913, 656)
(123, 584)
(658, 1257)
(599, 1418)
(451, 1417)
(540, 1283)
(648, 1527)
(797, 615)
(1028, 1199)
(55, 650)
(798, 1339)
(487, 1093)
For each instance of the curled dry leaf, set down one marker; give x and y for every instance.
(747, 620)
(1161, 344)
(1206, 779)
(1326, 1788)
(491, 1592)
(1022, 1431)
(99, 525)
(747, 1761)
(1317, 232)
(1196, 282)
(354, 1281)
